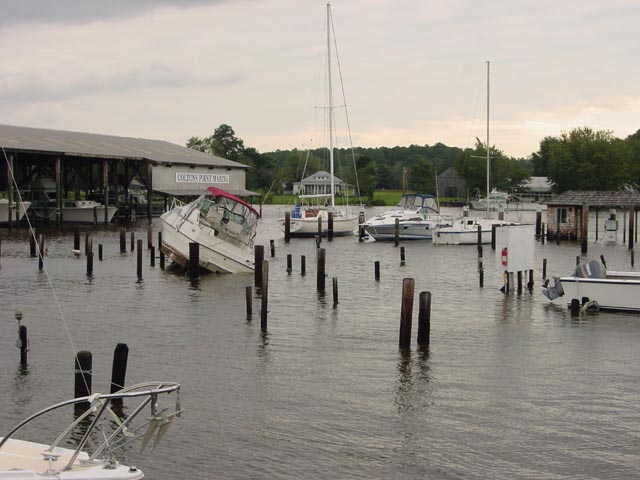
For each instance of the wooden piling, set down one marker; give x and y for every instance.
(139, 260)
(41, 252)
(133, 241)
(406, 312)
(123, 239)
(89, 255)
(289, 263)
(396, 232)
(530, 283)
(330, 227)
(152, 256)
(584, 230)
(319, 240)
(575, 307)
(361, 229)
(83, 366)
(493, 236)
(631, 227)
(543, 234)
(76, 239)
(265, 296)
(149, 237)
(119, 367)
(258, 257)
(24, 345)
(402, 257)
(320, 279)
(249, 299)
(335, 291)
(272, 246)
(32, 245)
(303, 265)
(538, 223)
(160, 249)
(424, 319)
(376, 269)
(633, 257)
(99, 252)
(479, 237)
(603, 261)
(287, 227)
(194, 260)
(577, 260)
(544, 269)
(519, 282)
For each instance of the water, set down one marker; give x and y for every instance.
(511, 388)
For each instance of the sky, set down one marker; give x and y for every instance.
(412, 71)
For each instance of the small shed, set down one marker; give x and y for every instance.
(451, 184)
(568, 212)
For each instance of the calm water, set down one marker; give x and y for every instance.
(511, 388)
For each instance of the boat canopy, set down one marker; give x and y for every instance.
(216, 192)
(418, 200)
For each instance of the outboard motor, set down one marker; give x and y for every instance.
(591, 269)
(555, 291)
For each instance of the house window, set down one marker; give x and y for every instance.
(562, 215)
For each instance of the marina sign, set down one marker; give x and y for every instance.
(201, 178)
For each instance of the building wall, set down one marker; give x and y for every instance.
(182, 177)
(569, 229)
(451, 184)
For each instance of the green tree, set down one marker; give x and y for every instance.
(367, 176)
(584, 159)
(540, 159)
(422, 177)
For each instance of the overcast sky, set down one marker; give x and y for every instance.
(414, 71)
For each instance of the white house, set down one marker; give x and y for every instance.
(319, 183)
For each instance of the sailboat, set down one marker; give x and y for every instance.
(465, 229)
(305, 219)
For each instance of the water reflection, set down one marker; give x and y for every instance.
(413, 383)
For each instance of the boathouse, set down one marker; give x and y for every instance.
(568, 213)
(451, 184)
(88, 165)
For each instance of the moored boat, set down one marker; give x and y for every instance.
(6, 206)
(464, 231)
(417, 214)
(611, 290)
(222, 224)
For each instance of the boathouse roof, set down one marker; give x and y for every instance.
(62, 142)
(592, 198)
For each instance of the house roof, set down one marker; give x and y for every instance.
(592, 198)
(62, 142)
(320, 178)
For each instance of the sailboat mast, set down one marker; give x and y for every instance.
(488, 157)
(330, 106)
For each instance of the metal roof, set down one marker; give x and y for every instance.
(622, 198)
(62, 142)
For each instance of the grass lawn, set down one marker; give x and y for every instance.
(380, 197)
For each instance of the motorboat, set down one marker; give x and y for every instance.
(99, 434)
(464, 231)
(496, 200)
(223, 225)
(5, 207)
(611, 290)
(42, 196)
(417, 215)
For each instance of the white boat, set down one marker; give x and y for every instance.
(222, 224)
(304, 218)
(417, 214)
(506, 202)
(611, 290)
(5, 206)
(42, 196)
(464, 231)
(99, 433)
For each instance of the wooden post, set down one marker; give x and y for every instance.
(376, 269)
(631, 226)
(289, 263)
(287, 226)
(152, 256)
(330, 227)
(133, 241)
(160, 249)
(320, 279)
(41, 252)
(303, 265)
(24, 345)
(396, 232)
(319, 229)
(424, 319)
(543, 234)
(273, 248)
(89, 255)
(507, 285)
(584, 228)
(119, 367)
(519, 283)
(406, 312)
(575, 307)
(577, 260)
(32, 245)
(603, 261)
(265, 296)
(402, 257)
(480, 266)
(194, 260)
(139, 259)
(538, 222)
(95, 215)
(479, 237)
(249, 298)
(335, 291)
(544, 269)
(361, 229)
(633, 257)
(83, 366)
(76, 239)
(258, 257)
(100, 252)
(123, 239)
(149, 236)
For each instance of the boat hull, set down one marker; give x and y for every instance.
(215, 254)
(308, 227)
(89, 214)
(618, 291)
(5, 207)
(407, 231)
(465, 237)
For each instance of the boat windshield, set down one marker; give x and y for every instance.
(414, 201)
(229, 211)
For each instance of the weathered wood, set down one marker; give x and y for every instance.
(41, 252)
(396, 232)
(584, 229)
(402, 256)
(361, 230)
(335, 291)
(289, 263)
(424, 319)
(194, 260)
(303, 265)
(330, 227)
(160, 249)
(76, 239)
(100, 252)
(544, 269)
(376, 269)
(123, 239)
(287, 226)
(575, 307)
(272, 245)
(152, 256)
(258, 257)
(320, 279)
(249, 300)
(89, 255)
(139, 260)
(406, 312)
(265, 296)
(83, 372)
(24, 345)
(119, 367)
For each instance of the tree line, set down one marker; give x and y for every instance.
(582, 159)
